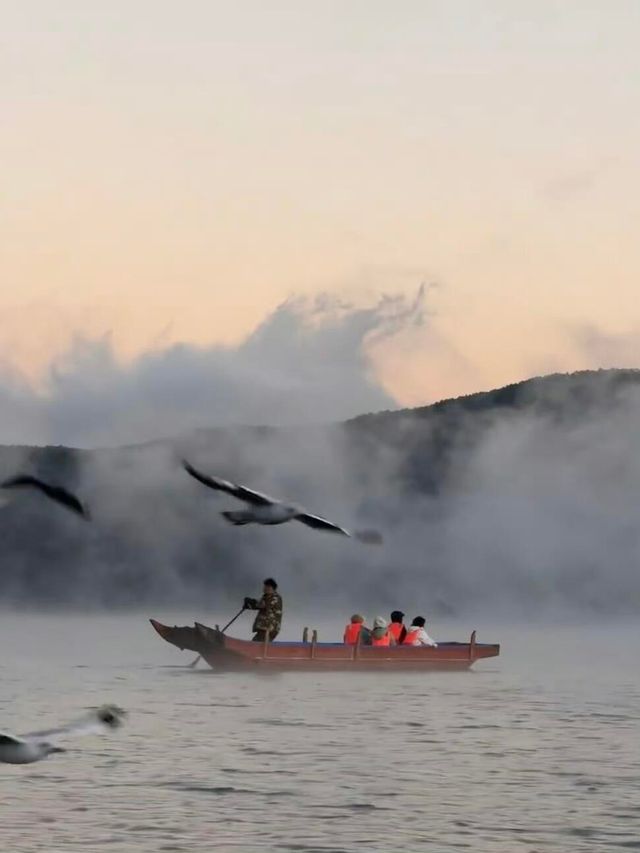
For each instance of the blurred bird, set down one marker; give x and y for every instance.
(38, 745)
(266, 510)
(55, 493)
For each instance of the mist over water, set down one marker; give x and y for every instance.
(529, 515)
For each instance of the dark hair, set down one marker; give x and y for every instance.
(270, 582)
(397, 616)
(419, 622)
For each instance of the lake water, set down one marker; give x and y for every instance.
(537, 750)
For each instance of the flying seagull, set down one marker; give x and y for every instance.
(55, 493)
(263, 509)
(38, 745)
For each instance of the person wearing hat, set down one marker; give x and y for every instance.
(354, 630)
(269, 616)
(417, 636)
(396, 627)
(380, 635)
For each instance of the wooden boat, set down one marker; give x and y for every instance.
(228, 653)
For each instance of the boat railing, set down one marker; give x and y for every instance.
(355, 649)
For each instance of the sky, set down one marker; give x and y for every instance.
(176, 174)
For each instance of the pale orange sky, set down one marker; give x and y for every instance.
(172, 171)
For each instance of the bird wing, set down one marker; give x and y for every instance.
(319, 523)
(96, 722)
(242, 493)
(10, 740)
(56, 493)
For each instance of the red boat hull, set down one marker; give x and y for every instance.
(228, 653)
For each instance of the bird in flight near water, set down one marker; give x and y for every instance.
(55, 493)
(266, 510)
(25, 749)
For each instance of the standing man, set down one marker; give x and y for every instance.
(269, 616)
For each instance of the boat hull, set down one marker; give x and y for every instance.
(230, 654)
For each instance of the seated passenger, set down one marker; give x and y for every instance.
(396, 627)
(417, 636)
(380, 635)
(353, 630)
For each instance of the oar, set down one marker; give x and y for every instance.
(228, 625)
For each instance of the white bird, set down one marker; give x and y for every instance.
(266, 510)
(54, 493)
(35, 746)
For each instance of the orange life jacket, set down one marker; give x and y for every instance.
(351, 633)
(412, 634)
(382, 641)
(395, 629)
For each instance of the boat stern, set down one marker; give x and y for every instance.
(182, 637)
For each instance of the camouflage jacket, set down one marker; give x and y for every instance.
(269, 617)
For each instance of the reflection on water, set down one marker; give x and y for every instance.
(538, 750)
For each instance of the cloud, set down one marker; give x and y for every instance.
(309, 361)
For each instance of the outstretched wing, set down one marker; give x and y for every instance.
(55, 493)
(96, 722)
(9, 740)
(242, 493)
(319, 523)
